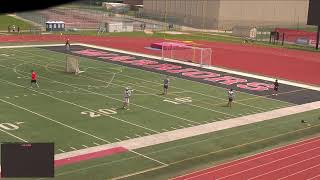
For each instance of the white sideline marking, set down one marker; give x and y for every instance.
(149, 158)
(117, 139)
(30, 45)
(139, 172)
(61, 150)
(12, 134)
(96, 143)
(84, 146)
(211, 68)
(128, 137)
(73, 148)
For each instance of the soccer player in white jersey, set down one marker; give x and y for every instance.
(127, 95)
(166, 85)
(231, 97)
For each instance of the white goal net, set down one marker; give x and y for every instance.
(183, 52)
(72, 64)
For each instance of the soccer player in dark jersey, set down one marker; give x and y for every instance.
(165, 85)
(34, 79)
(276, 87)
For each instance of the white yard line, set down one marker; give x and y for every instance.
(30, 45)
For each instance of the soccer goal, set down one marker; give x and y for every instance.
(183, 52)
(72, 64)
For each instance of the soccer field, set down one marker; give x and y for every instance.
(82, 111)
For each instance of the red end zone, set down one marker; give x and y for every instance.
(296, 161)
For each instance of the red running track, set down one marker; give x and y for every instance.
(299, 161)
(281, 63)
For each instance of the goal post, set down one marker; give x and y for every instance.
(72, 64)
(188, 53)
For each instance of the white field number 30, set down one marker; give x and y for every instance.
(99, 112)
(179, 100)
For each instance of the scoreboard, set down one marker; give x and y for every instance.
(27, 160)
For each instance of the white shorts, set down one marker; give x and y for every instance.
(126, 100)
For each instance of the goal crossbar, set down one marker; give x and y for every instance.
(183, 52)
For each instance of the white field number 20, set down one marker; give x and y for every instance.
(8, 126)
(99, 112)
(179, 100)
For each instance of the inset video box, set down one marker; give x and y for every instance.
(27, 160)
